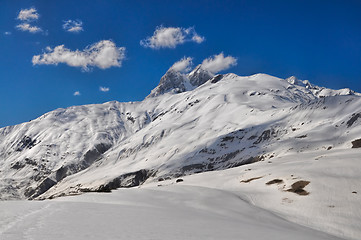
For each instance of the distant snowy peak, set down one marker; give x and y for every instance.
(325, 92)
(176, 82)
(295, 81)
(319, 91)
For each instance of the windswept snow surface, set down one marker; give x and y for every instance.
(173, 212)
(301, 143)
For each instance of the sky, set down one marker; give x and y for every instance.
(56, 54)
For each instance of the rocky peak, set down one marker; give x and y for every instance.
(199, 76)
(177, 82)
(295, 81)
(172, 81)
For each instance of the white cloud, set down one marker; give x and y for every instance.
(171, 37)
(103, 54)
(26, 27)
(104, 89)
(7, 33)
(198, 39)
(77, 93)
(29, 14)
(218, 63)
(183, 65)
(74, 26)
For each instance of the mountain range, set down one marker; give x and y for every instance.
(189, 123)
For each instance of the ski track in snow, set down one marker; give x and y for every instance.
(30, 220)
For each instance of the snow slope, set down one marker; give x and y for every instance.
(196, 123)
(331, 202)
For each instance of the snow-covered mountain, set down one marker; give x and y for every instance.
(189, 123)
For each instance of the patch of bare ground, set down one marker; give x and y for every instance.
(356, 143)
(251, 179)
(298, 188)
(274, 181)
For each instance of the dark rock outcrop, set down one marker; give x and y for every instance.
(25, 143)
(172, 81)
(356, 143)
(353, 119)
(199, 76)
(127, 180)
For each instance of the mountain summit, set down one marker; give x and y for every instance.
(176, 82)
(199, 76)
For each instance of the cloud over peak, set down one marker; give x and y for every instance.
(77, 93)
(183, 65)
(74, 26)
(29, 14)
(213, 64)
(218, 63)
(103, 54)
(170, 37)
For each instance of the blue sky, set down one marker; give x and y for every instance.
(315, 40)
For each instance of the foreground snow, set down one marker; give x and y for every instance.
(228, 204)
(176, 212)
(332, 200)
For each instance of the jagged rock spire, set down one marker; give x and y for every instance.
(177, 82)
(172, 81)
(199, 76)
